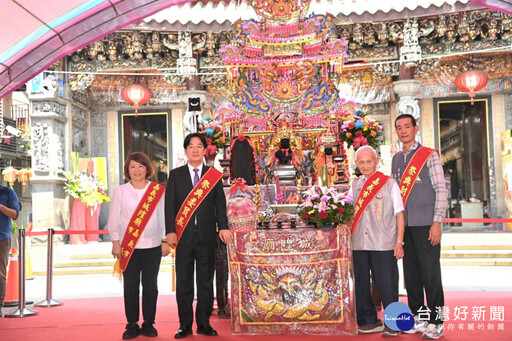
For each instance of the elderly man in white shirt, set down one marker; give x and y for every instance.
(377, 243)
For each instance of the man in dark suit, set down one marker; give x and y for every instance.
(196, 247)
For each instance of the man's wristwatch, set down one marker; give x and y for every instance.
(164, 241)
(400, 242)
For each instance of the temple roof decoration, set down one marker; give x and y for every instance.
(283, 63)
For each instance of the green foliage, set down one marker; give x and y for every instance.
(14, 228)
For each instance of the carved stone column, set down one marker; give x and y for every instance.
(50, 205)
(408, 104)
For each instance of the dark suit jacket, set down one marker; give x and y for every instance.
(210, 213)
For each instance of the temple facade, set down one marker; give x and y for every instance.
(403, 62)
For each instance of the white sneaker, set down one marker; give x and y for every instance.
(433, 332)
(420, 326)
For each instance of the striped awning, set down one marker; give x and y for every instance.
(220, 12)
(35, 34)
(504, 6)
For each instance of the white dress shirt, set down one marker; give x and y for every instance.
(124, 202)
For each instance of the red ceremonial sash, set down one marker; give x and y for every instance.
(371, 187)
(195, 198)
(137, 224)
(413, 170)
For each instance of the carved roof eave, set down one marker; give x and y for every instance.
(341, 19)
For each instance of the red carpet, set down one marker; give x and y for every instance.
(99, 319)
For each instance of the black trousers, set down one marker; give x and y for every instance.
(221, 276)
(385, 270)
(422, 271)
(190, 255)
(145, 262)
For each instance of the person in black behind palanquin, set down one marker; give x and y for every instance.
(242, 165)
(194, 205)
(242, 162)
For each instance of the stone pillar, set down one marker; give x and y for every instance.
(408, 104)
(50, 204)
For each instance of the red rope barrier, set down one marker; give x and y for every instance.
(36, 233)
(82, 232)
(476, 220)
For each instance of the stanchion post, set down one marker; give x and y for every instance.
(49, 302)
(21, 311)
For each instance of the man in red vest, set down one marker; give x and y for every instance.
(420, 174)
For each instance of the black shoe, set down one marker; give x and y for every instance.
(376, 327)
(183, 332)
(223, 315)
(388, 332)
(207, 330)
(148, 330)
(132, 331)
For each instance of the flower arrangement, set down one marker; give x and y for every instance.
(215, 137)
(326, 206)
(360, 131)
(86, 187)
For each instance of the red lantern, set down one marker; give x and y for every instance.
(136, 94)
(10, 175)
(471, 81)
(24, 176)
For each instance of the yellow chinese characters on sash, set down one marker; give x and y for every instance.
(413, 170)
(137, 224)
(371, 187)
(195, 198)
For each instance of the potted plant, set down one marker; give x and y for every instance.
(325, 207)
